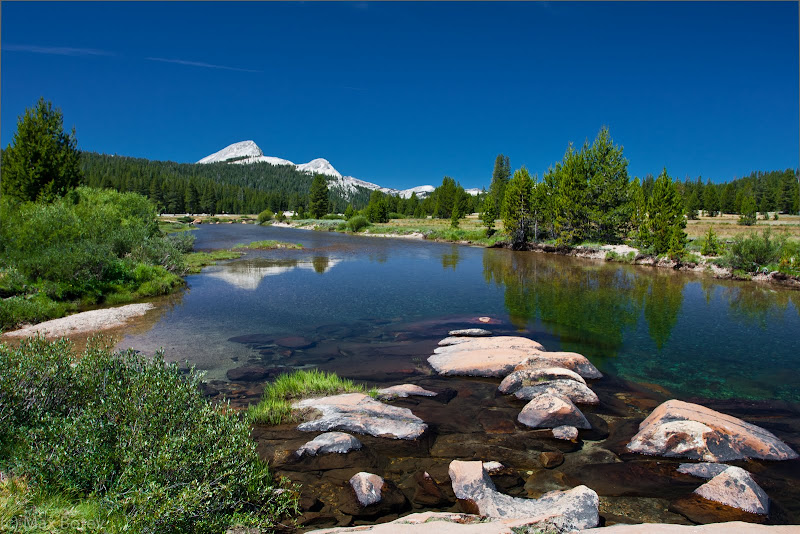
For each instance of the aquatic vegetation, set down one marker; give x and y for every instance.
(197, 260)
(268, 244)
(275, 406)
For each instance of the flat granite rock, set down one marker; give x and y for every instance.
(681, 429)
(551, 411)
(470, 332)
(483, 356)
(735, 487)
(404, 390)
(573, 509)
(528, 377)
(330, 442)
(575, 391)
(356, 412)
(453, 340)
(702, 469)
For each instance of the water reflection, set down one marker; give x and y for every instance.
(586, 304)
(451, 258)
(247, 274)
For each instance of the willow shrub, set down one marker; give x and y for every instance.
(134, 432)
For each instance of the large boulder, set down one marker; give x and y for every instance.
(682, 429)
(735, 487)
(705, 470)
(575, 391)
(551, 411)
(528, 377)
(577, 508)
(356, 412)
(330, 442)
(483, 356)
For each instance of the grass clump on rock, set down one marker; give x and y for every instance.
(126, 443)
(275, 406)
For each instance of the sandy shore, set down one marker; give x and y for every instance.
(84, 322)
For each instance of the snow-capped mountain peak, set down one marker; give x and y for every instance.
(319, 166)
(242, 149)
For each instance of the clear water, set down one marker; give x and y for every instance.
(691, 334)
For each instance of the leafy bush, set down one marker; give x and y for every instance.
(265, 216)
(185, 219)
(395, 215)
(357, 223)
(134, 431)
(753, 252)
(84, 247)
(332, 217)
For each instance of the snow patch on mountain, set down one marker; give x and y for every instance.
(319, 166)
(242, 149)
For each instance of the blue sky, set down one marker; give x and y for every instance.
(404, 93)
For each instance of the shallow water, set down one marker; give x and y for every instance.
(373, 310)
(691, 334)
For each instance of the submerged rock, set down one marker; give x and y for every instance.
(427, 492)
(735, 487)
(574, 391)
(702, 469)
(528, 377)
(330, 442)
(356, 412)
(294, 342)
(404, 390)
(682, 429)
(551, 411)
(564, 510)
(470, 332)
(565, 432)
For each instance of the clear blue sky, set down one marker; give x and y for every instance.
(404, 93)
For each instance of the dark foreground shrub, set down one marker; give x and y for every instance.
(135, 432)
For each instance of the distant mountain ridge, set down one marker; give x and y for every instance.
(248, 152)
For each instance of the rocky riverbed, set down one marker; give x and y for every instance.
(572, 428)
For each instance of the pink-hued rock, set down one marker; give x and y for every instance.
(562, 510)
(575, 391)
(682, 429)
(367, 488)
(550, 411)
(356, 412)
(404, 390)
(706, 470)
(453, 340)
(735, 487)
(489, 467)
(529, 377)
(733, 527)
(568, 360)
(483, 356)
(565, 432)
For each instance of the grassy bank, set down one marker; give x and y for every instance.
(75, 444)
(275, 406)
(90, 247)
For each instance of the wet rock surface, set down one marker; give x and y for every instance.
(470, 332)
(702, 469)
(575, 391)
(527, 377)
(404, 390)
(329, 442)
(735, 487)
(356, 412)
(551, 411)
(565, 432)
(573, 509)
(682, 429)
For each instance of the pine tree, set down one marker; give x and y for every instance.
(665, 219)
(318, 197)
(607, 193)
(493, 203)
(710, 200)
(748, 209)
(42, 161)
(517, 215)
(570, 206)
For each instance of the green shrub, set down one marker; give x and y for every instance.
(265, 216)
(395, 215)
(135, 432)
(357, 223)
(185, 219)
(341, 227)
(753, 252)
(332, 217)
